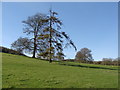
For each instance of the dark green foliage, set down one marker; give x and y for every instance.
(10, 51)
(55, 38)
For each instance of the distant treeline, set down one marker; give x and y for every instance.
(105, 61)
(10, 51)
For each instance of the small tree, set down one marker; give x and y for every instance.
(84, 55)
(22, 44)
(107, 61)
(115, 61)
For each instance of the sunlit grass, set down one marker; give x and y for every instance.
(24, 72)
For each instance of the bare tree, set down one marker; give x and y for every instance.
(34, 26)
(22, 45)
(84, 55)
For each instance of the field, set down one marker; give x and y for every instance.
(24, 72)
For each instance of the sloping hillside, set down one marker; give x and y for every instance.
(24, 72)
(10, 51)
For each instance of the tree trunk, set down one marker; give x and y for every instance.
(34, 51)
(50, 60)
(50, 37)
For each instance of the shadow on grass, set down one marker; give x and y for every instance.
(88, 66)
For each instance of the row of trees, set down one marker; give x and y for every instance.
(108, 61)
(46, 41)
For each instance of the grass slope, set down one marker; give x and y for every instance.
(24, 72)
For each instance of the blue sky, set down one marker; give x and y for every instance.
(89, 24)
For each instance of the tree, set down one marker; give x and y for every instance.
(21, 45)
(34, 26)
(115, 61)
(107, 61)
(55, 38)
(48, 41)
(84, 55)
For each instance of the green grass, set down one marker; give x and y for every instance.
(24, 72)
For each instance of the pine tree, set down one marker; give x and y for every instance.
(55, 38)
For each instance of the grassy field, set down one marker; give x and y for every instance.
(24, 72)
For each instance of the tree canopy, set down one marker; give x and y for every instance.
(34, 26)
(22, 45)
(84, 55)
(55, 38)
(47, 40)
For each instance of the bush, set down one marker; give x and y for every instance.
(10, 51)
